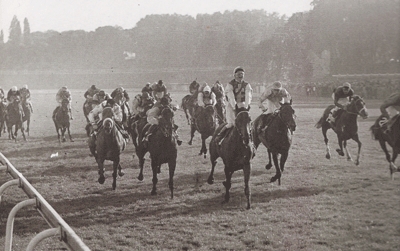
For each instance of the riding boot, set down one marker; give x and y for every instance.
(178, 141)
(221, 135)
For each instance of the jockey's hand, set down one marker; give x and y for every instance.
(94, 126)
(264, 109)
(174, 108)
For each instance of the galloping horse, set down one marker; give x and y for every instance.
(61, 118)
(109, 145)
(189, 101)
(346, 126)
(236, 151)
(27, 114)
(162, 149)
(14, 117)
(277, 137)
(392, 138)
(205, 124)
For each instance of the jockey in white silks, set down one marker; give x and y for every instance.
(274, 96)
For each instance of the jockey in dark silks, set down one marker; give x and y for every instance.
(153, 116)
(341, 96)
(89, 94)
(390, 109)
(159, 90)
(26, 97)
(148, 89)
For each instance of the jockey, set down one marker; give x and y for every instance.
(147, 88)
(124, 92)
(26, 96)
(194, 87)
(341, 97)
(390, 108)
(12, 94)
(89, 94)
(159, 90)
(153, 116)
(206, 97)
(100, 97)
(218, 90)
(274, 95)
(239, 95)
(141, 104)
(64, 93)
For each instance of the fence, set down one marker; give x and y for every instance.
(58, 225)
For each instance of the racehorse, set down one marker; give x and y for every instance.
(392, 138)
(236, 151)
(205, 124)
(276, 137)
(3, 113)
(61, 118)
(189, 101)
(136, 127)
(162, 149)
(346, 126)
(108, 146)
(14, 117)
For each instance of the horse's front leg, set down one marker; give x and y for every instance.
(171, 167)
(140, 153)
(393, 167)
(269, 165)
(27, 126)
(328, 150)
(192, 130)
(69, 134)
(154, 167)
(340, 141)
(278, 170)
(100, 163)
(356, 139)
(284, 157)
(203, 149)
(227, 184)
(247, 192)
(63, 134)
(346, 151)
(23, 132)
(115, 170)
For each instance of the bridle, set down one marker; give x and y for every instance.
(242, 137)
(283, 121)
(358, 112)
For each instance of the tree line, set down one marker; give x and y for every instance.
(335, 37)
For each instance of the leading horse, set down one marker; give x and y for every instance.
(15, 118)
(345, 127)
(392, 138)
(236, 151)
(162, 149)
(205, 123)
(108, 146)
(275, 132)
(61, 118)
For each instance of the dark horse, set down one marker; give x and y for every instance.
(277, 137)
(205, 124)
(189, 101)
(108, 146)
(162, 149)
(392, 138)
(14, 117)
(236, 151)
(345, 126)
(61, 118)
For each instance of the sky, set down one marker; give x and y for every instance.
(62, 15)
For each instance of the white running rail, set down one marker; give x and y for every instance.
(58, 225)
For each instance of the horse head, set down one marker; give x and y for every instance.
(357, 106)
(167, 121)
(287, 115)
(64, 105)
(194, 86)
(108, 125)
(242, 125)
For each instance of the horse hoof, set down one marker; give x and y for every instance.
(205, 156)
(72, 140)
(273, 179)
(340, 152)
(153, 192)
(114, 186)
(268, 166)
(224, 183)
(210, 181)
(140, 177)
(121, 173)
(328, 156)
(101, 180)
(200, 153)
(190, 143)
